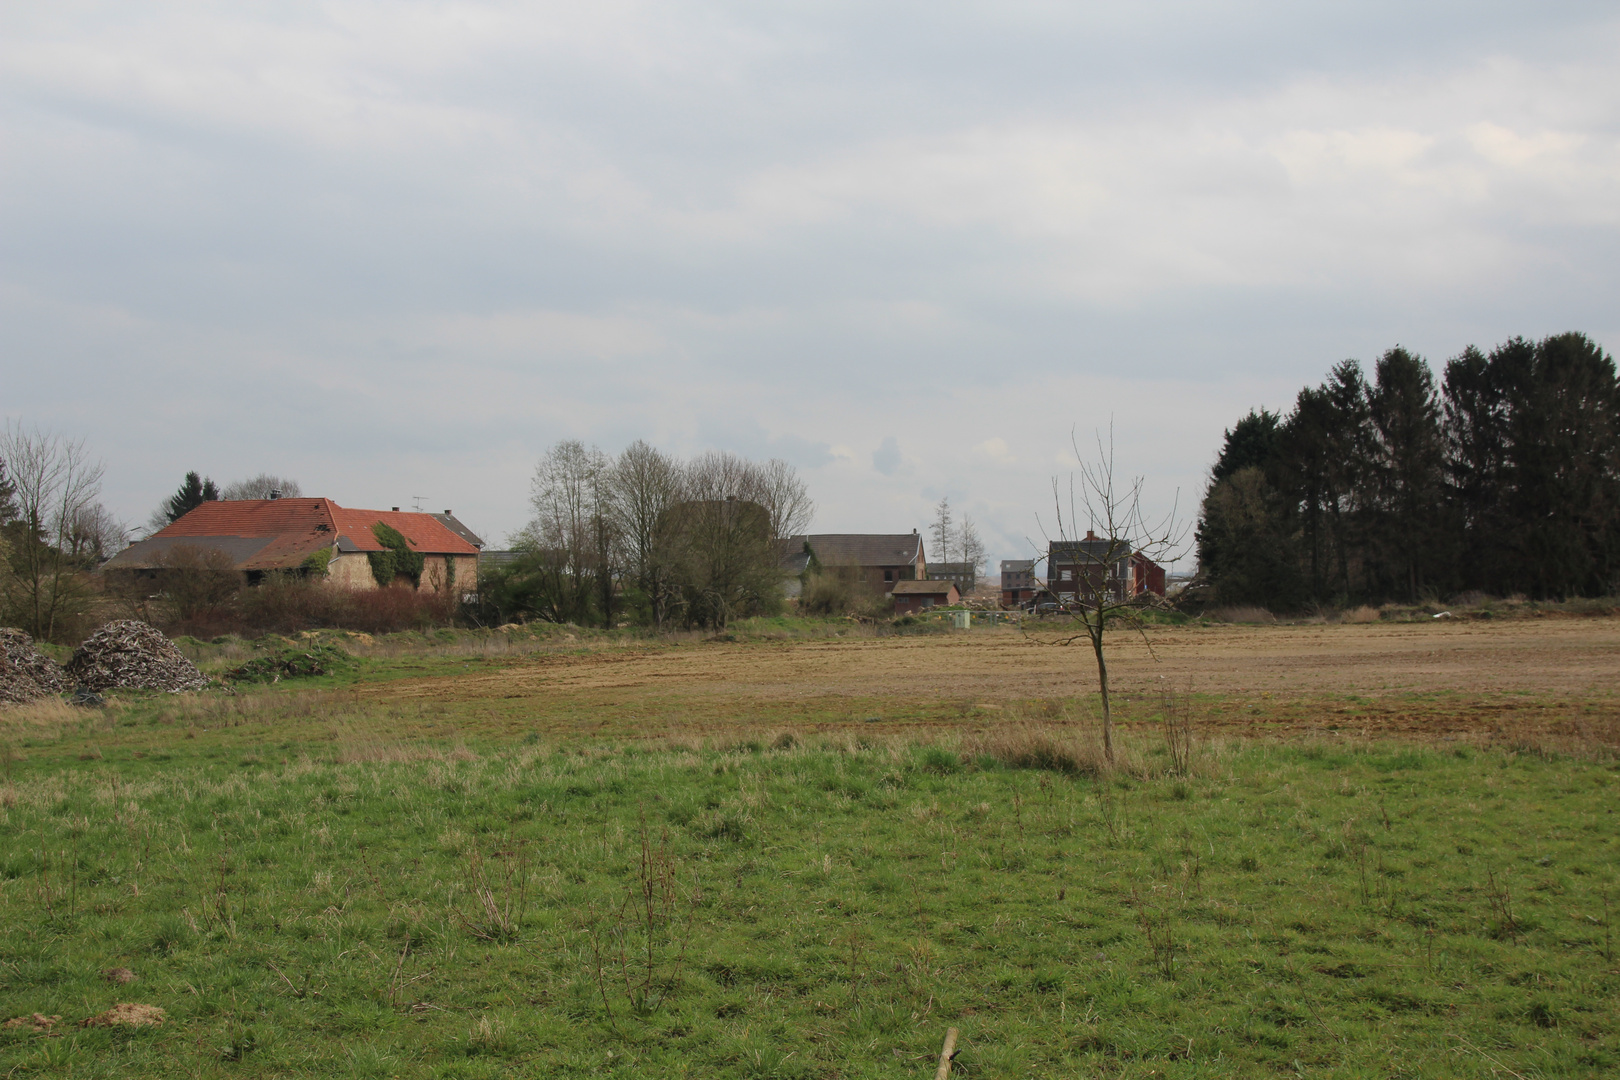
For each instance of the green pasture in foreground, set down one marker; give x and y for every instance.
(818, 910)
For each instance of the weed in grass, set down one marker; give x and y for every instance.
(500, 894)
(640, 946)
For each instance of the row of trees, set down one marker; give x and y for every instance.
(649, 537)
(1504, 478)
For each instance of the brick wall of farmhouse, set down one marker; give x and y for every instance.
(435, 573)
(351, 571)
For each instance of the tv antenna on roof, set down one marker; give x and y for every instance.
(418, 500)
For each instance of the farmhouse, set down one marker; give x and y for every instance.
(876, 561)
(311, 537)
(911, 597)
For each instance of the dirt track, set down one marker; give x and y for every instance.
(1464, 674)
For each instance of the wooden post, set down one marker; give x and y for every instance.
(946, 1054)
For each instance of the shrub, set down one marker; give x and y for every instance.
(825, 594)
(290, 603)
(198, 581)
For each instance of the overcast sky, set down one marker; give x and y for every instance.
(396, 250)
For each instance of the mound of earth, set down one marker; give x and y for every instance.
(130, 655)
(128, 1013)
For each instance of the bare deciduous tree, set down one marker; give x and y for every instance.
(785, 498)
(646, 485)
(729, 558)
(56, 483)
(565, 496)
(95, 535)
(972, 547)
(260, 487)
(1102, 596)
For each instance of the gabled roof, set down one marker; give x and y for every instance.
(924, 588)
(1091, 549)
(279, 534)
(864, 549)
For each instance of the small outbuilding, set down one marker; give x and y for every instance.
(911, 597)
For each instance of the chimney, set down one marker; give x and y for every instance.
(396, 509)
(449, 513)
(275, 493)
(1089, 534)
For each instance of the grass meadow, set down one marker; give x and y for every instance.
(799, 906)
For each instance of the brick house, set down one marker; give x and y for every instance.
(1078, 571)
(965, 574)
(911, 597)
(1147, 576)
(875, 561)
(309, 536)
(1018, 584)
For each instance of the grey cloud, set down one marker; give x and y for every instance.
(886, 458)
(419, 245)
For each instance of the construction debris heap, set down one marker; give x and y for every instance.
(26, 674)
(130, 655)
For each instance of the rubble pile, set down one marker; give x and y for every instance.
(130, 655)
(26, 674)
(18, 647)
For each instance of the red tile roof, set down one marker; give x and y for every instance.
(294, 529)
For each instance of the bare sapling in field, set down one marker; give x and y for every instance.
(1175, 723)
(640, 946)
(1101, 590)
(500, 893)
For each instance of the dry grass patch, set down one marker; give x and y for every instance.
(128, 1014)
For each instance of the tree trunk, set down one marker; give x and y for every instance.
(1096, 632)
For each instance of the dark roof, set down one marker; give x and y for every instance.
(279, 534)
(924, 588)
(864, 549)
(1095, 549)
(1017, 566)
(449, 521)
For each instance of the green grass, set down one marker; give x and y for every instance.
(793, 909)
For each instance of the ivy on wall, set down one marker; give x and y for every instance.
(316, 562)
(396, 560)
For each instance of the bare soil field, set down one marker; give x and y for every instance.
(1555, 676)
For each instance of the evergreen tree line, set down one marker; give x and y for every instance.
(646, 537)
(1504, 478)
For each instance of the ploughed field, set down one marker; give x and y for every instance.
(1543, 678)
